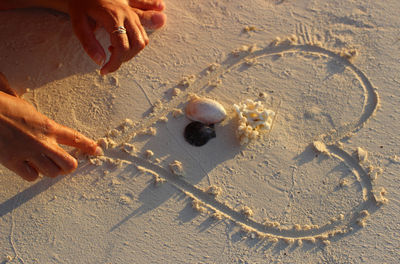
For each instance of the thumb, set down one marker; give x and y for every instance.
(151, 19)
(84, 31)
(147, 5)
(5, 86)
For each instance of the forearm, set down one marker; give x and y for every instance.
(59, 5)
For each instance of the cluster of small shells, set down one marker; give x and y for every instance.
(254, 119)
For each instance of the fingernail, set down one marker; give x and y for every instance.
(98, 151)
(98, 58)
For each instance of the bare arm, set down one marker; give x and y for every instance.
(60, 5)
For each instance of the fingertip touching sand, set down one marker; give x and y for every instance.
(318, 186)
(29, 139)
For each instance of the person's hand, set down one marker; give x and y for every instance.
(29, 140)
(133, 15)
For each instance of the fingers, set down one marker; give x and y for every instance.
(85, 33)
(125, 46)
(151, 19)
(64, 161)
(26, 171)
(120, 48)
(45, 166)
(5, 86)
(138, 38)
(144, 35)
(70, 137)
(148, 4)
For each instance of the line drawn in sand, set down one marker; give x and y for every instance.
(372, 197)
(325, 143)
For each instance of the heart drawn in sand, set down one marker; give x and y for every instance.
(274, 203)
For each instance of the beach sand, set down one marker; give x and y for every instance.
(321, 186)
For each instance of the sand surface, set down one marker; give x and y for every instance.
(322, 187)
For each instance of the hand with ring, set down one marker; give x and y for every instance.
(124, 20)
(29, 141)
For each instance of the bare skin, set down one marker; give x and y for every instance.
(29, 141)
(110, 14)
(87, 15)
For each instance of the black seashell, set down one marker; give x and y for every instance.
(198, 134)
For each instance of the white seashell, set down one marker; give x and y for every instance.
(204, 110)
